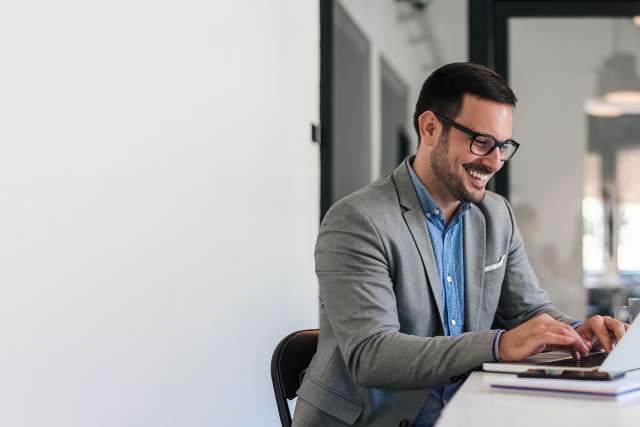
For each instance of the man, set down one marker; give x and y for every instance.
(414, 268)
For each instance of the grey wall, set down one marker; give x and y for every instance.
(414, 44)
(351, 137)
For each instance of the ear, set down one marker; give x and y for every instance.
(430, 128)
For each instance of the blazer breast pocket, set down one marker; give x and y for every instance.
(495, 266)
(494, 272)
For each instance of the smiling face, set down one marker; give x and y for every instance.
(460, 174)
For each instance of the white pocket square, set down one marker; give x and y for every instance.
(497, 265)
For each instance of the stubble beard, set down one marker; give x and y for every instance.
(444, 171)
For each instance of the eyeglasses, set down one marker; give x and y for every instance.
(481, 144)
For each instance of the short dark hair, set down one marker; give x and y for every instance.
(443, 91)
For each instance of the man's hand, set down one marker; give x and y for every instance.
(540, 333)
(602, 331)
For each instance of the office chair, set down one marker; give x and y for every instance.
(288, 363)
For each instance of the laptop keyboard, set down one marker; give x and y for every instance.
(590, 361)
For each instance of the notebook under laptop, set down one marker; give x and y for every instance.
(623, 358)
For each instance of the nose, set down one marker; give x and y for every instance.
(492, 160)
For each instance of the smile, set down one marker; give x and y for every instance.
(478, 175)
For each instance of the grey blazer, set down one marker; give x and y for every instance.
(381, 347)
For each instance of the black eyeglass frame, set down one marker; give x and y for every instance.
(473, 135)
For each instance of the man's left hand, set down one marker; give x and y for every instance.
(602, 331)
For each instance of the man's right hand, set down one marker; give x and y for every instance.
(538, 334)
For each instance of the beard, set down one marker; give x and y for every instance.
(445, 173)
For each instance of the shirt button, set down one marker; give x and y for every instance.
(449, 279)
(436, 211)
(453, 322)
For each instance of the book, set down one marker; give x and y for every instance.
(623, 388)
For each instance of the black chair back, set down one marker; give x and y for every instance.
(288, 363)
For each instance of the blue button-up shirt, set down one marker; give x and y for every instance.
(448, 249)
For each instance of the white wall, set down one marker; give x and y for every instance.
(159, 206)
(413, 43)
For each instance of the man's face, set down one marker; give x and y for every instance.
(463, 174)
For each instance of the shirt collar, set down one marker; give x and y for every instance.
(429, 207)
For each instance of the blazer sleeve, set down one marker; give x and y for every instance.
(522, 297)
(357, 295)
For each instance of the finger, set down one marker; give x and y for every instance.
(615, 326)
(570, 350)
(583, 331)
(560, 338)
(578, 343)
(573, 331)
(600, 331)
(568, 330)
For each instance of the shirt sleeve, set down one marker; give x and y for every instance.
(577, 323)
(496, 342)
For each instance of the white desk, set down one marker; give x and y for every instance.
(476, 404)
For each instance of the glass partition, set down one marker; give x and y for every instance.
(575, 183)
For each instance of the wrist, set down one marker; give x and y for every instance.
(505, 347)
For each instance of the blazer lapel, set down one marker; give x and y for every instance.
(414, 218)
(417, 226)
(474, 261)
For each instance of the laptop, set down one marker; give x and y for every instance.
(624, 357)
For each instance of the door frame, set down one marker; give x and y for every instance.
(326, 102)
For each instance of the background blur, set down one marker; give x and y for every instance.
(161, 191)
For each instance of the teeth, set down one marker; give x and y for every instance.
(478, 175)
